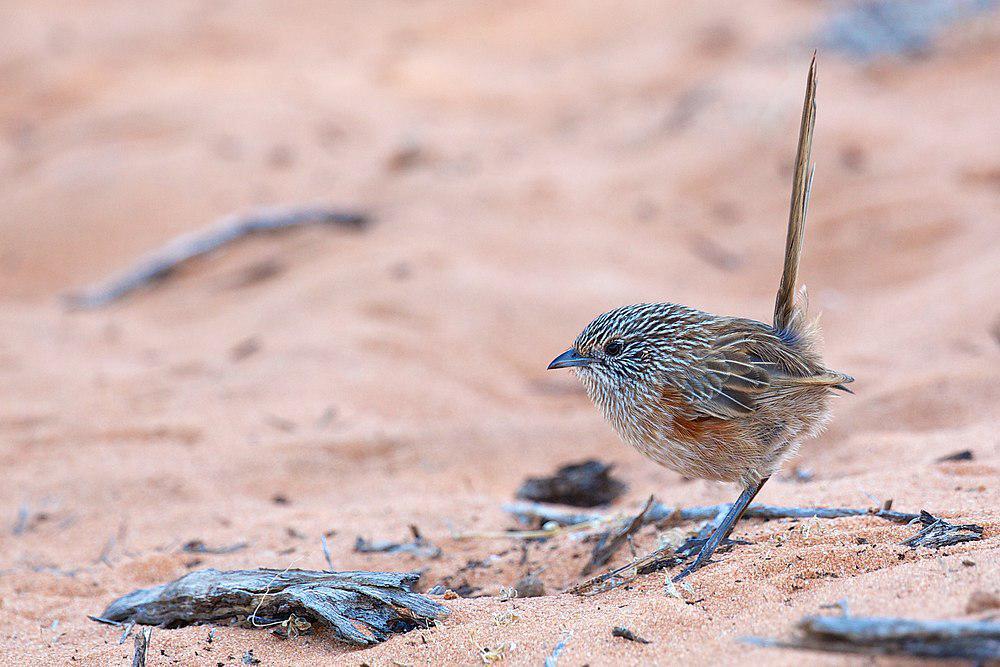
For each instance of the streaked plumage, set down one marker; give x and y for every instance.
(711, 397)
(714, 397)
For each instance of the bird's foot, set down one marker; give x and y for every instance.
(689, 569)
(704, 551)
(694, 545)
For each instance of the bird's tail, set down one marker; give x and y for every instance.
(788, 315)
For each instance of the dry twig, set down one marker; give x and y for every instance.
(158, 265)
(528, 512)
(609, 544)
(418, 547)
(141, 646)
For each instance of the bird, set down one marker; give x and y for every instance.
(715, 397)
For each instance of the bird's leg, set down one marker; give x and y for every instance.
(724, 528)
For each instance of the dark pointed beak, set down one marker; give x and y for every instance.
(568, 359)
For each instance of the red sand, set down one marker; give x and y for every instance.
(566, 161)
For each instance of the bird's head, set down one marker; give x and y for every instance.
(627, 345)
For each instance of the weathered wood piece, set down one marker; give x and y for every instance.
(968, 639)
(159, 264)
(359, 607)
(938, 533)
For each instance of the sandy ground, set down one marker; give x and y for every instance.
(528, 165)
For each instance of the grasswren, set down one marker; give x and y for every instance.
(713, 397)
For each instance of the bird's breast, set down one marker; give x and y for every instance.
(699, 449)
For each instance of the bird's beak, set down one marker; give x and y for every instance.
(568, 359)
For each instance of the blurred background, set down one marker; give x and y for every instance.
(525, 165)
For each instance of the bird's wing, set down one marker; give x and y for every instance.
(725, 384)
(745, 363)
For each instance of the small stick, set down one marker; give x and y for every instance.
(326, 552)
(161, 263)
(527, 511)
(609, 544)
(540, 534)
(23, 515)
(625, 633)
(141, 646)
(553, 658)
(105, 621)
(619, 576)
(126, 632)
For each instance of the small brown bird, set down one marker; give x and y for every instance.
(714, 397)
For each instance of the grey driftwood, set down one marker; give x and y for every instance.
(358, 607)
(968, 639)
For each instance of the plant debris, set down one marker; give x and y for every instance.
(971, 640)
(155, 267)
(963, 455)
(199, 547)
(418, 547)
(586, 484)
(981, 601)
(552, 659)
(652, 562)
(359, 607)
(528, 512)
(530, 586)
(939, 533)
(141, 646)
(625, 633)
(608, 544)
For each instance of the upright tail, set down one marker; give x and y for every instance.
(786, 312)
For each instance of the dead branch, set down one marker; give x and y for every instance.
(359, 607)
(939, 533)
(973, 640)
(159, 264)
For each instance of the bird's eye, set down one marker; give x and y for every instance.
(614, 348)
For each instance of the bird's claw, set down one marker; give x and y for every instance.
(696, 546)
(693, 546)
(686, 571)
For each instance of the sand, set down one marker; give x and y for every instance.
(528, 165)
